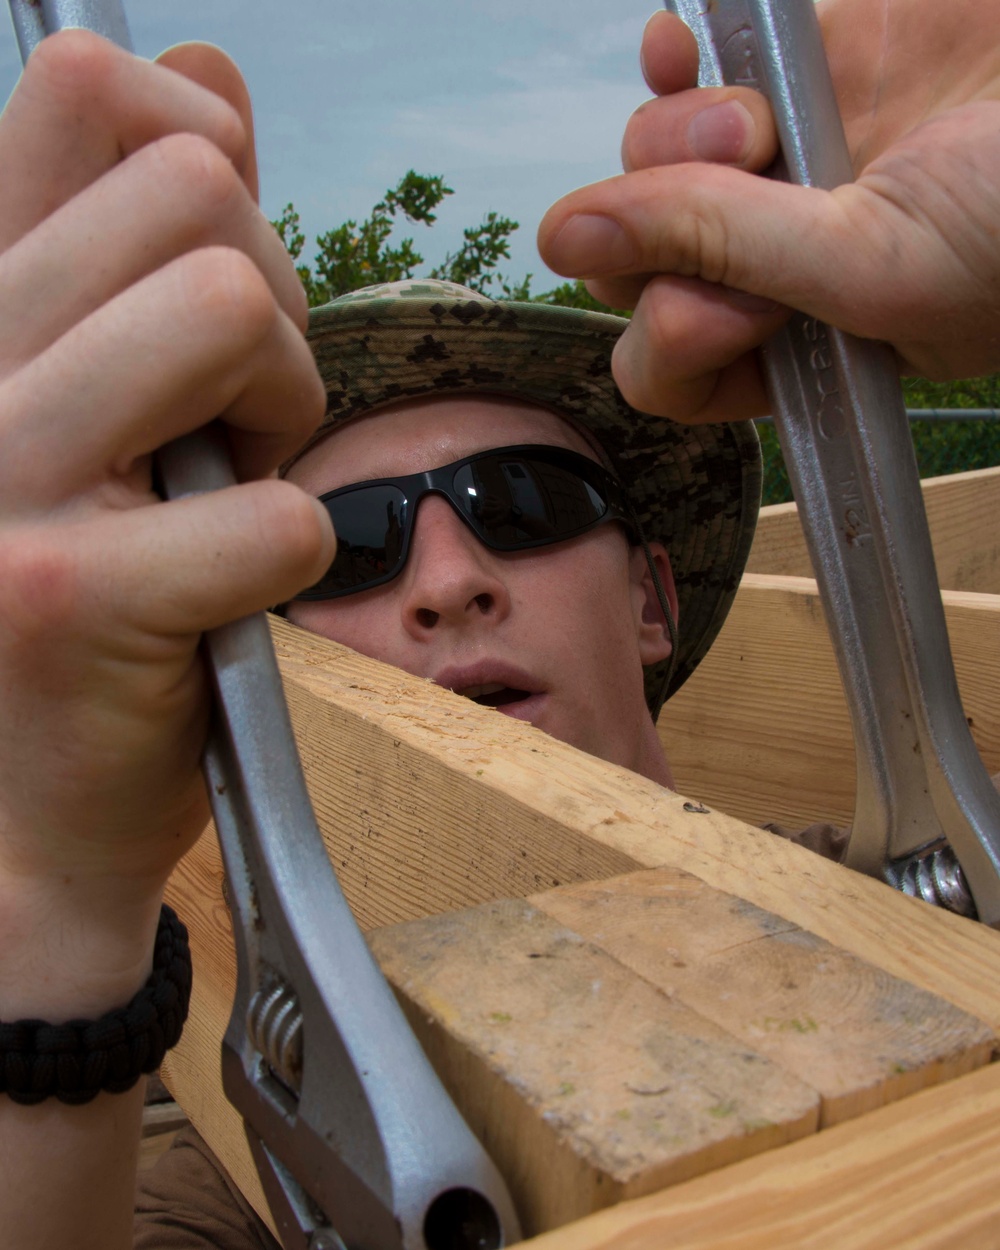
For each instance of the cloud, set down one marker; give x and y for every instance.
(577, 55)
(568, 124)
(613, 38)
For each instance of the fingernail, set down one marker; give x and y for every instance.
(722, 133)
(749, 302)
(590, 245)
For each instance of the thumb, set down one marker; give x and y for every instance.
(907, 254)
(798, 246)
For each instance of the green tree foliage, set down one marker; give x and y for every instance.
(968, 393)
(357, 254)
(574, 294)
(475, 263)
(941, 446)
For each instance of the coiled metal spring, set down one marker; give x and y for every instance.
(936, 877)
(274, 1023)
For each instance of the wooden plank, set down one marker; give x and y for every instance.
(501, 810)
(918, 1175)
(779, 545)
(761, 728)
(857, 1035)
(963, 512)
(606, 1039)
(586, 1083)
(430, 803)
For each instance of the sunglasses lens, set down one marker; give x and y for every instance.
(513, 498)
(514, 501)
(369, 526)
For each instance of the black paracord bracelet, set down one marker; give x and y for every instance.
(75, 1061)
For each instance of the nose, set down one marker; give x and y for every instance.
(450, 578)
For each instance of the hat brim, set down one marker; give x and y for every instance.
(694, 488)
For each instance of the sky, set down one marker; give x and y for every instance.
(515, 102)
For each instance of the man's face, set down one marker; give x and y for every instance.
(555, 635)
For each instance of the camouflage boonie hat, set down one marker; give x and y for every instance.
(696, 489)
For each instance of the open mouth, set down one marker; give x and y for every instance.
(494, 694)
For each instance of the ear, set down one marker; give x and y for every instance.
(652, 631)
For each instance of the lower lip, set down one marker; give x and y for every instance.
(529, 709)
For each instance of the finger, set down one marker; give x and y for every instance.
(724, 125)
(174, 196)
(626, 291)
(166, 570)
(881, 258)
(685, 353)
(200, 338)
(102, 621)
(212, 69)
(617, 291)
(195, 563)
(668, 54)
(80, 106)
(793, 245)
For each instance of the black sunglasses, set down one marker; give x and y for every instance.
(512, 498)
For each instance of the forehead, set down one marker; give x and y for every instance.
(423, 434)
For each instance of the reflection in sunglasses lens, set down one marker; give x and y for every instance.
(512, 501)
(369, 527)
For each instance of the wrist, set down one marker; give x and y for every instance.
(73, 948)
(78, 1060)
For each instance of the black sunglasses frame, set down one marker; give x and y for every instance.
(440, 481)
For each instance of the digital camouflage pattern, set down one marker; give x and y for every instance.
(696, 489)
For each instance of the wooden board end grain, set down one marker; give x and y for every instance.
(920, 1174)
(585, 1082)
(856, 1034)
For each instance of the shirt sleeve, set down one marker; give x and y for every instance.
(188, 1202)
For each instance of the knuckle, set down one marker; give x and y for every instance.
(654, 321)
(41, 587)
(71, 66)
(223, 285)
(708, 246)
(199, 169)
(697, 245)
(634, 148)
(230, 132)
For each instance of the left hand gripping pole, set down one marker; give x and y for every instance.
(356, 1140)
